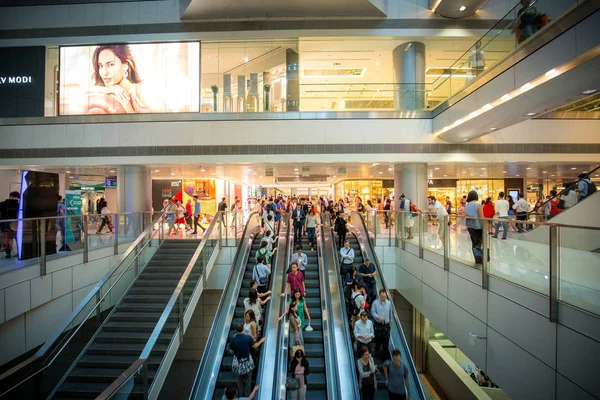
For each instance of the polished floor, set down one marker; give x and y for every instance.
(522, 262)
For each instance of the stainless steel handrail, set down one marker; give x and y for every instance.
(75, 216)
(162, 320)
(51, 341)
(369, 252)
(208, 371)
(338, 337)
(272, 327)
(345, 357)
(333, 378)
(281, 361)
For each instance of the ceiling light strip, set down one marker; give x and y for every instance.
(539, 80)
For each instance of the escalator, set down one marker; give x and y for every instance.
(122, 338)
(362, 249)
(226, 377)
(125, 332)
(214, 373)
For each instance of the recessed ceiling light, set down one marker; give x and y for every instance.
(573, 168)
(464, 140)
(295, 169)
(528, 168)
(202, 170)
(504, 172)
(71, 177)
(445, 175)
(462, 8)
(390, 169)
(254, 173)
(68, 172)
(590, 91)
(596, 175)
(370, 176)
(583, 172)
(245, 59)
(378, 63)
(493, 129)
(483, 169)
(380, 172)
(260, 176)
(506, 97)
(531, 114)
(333, 176)
(112, 171)
(551, 74)
(552, 175)
(544, 172)
(375, 164)
(173, 174)
(157, 170)
(517, 175)
(437, 168)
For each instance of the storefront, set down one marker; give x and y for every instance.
(184, 190)
(455, 189)
(365, 189)
(535, 191)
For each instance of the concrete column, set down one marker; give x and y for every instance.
(411, 179)
(409, 76)
(134, 185)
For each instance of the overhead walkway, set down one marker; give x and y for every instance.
(358, 238)
(121, 340)
(214, 373)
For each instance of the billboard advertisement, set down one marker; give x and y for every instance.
(129, 78)
(22, 81)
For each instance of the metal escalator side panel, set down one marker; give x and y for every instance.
(270, 355)
(339, 338)
(208, 371)
(397, 338)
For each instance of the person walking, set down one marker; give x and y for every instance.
(364, 333)
(367, 381)
(502, 208)
(294, 280)
(554, 208)
(197, 216)
(222, 206)
(367, 273)
(585, 186)
(299, 369)
(9, 209)
(298, 217)
(441, 213)
(105, 216)
(61, 223)
(261, 273)
(474, 213)
(521, 208)
(171, 210)
(240, 347)
(189, 215)
(381, 311)
(311, 227)
(231, 393)
(341, 229)
(254, 303)
(300, 258)
(347, 258)
(396, 377)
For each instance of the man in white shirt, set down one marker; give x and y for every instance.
(347, 258)
(440, 211)
(476, 61)
(364, 332)
(502, 208)
(522, 209)
(300, 258)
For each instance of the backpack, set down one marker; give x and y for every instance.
(591, 186)
(270, 208)
(353, 308)
(262, 279)
(360, 207)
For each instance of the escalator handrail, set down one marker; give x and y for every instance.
(162, 320)
(281, 360)
(347, 338)
(396, 325)
(41, 353)
(236, 272)
(332, 377)
(569, 187)
(272, 328)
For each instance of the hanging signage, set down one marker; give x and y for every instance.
(73, 205)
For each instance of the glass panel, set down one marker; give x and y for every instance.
(579, 266)
(522, 258)
(434, 231)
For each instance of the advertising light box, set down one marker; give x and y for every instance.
(22, 81)
(130, 78)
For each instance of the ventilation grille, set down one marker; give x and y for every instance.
(334, 72)
(269, 171)
(341, 171)
(302, 179)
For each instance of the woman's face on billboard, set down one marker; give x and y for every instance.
(110, 68)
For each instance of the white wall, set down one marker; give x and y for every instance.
(528, 356)
(33, 306)
(8, 177)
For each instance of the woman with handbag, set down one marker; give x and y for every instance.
(298, 373)
(296, 339)
(367, 374)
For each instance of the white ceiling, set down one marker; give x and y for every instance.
(221, 9)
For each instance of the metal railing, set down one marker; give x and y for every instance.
(208, 371)
(139, 368)
(397, 337)
(552, 259)
(35, 374)
(339, 330)
(48, 238)
(272, 382)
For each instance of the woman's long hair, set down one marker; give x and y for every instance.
(123, 53)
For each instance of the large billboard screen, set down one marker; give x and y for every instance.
(22, 81)
(130, 78)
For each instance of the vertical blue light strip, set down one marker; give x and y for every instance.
(20, 214)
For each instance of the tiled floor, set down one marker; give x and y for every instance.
(525, 263)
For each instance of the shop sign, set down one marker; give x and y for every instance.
(167, 193)
(73, 205)
(442, 183)
(534, 187)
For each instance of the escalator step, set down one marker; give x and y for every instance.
(124, 349)
(314, 350)
(315, 382)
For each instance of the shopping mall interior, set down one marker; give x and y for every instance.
(400, 123)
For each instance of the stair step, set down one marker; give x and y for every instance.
(133, 326)
(314, 350)
(107, 375)
(130, 337)
(109, 361)
(125, 349)
(141, 317)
